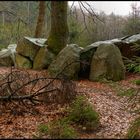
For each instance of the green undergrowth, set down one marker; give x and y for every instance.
(79, 113)
(129, 92)
(82, 113)
(136, 82)
(134, 130)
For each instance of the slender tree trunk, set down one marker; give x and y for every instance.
(41, 19)
(58, 35)
(28, 9)
(3, 18)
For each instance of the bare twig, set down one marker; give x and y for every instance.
(14, 14)
(62, 89)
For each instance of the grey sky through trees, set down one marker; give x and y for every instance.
(117, 7)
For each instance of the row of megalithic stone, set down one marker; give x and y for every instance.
(32, 53)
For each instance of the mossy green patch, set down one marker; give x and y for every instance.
(82, 113)
(58, 35)
(43, 128)
(57, 129)
(137, 82)
(43, 59)
(134, 130)
(22, 62)
(129, 92)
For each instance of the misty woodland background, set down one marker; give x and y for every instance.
(18, 19)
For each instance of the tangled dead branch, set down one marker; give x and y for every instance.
(24, 90)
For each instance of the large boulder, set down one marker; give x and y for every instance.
(86, 58)
(133, 39)
(66, 64)
(43, 59)
(7, 56)
(6, 61)
(30, 46)
(127, 45)
(22, 62)
(107, 64)
(12, 48)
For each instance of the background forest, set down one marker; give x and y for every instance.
(18, 19)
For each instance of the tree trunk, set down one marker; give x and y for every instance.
(58, 35)
(41, 20)
(3, 18)
(28, 9)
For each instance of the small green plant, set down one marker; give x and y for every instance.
(58, 129)
(134, 130)
(129, 92)
(61, 130)
(82, 113)
(137, 82)
(43, 128)
(132, 67)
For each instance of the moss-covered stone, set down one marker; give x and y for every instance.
(127, 45)
(6, 61)
(22, 62)
(27, 48)
(87, 54)
(7, 55)
(107, 63)
(66, 63)
(43, 59)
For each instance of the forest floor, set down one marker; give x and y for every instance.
(115, 116)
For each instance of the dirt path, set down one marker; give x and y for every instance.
(114, 117)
